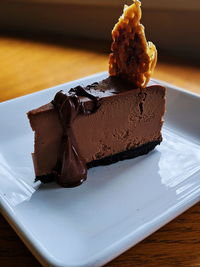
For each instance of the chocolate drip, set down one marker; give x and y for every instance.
(71, 169)
(80, 91)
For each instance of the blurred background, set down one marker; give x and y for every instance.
(47, 42)
(174, 25)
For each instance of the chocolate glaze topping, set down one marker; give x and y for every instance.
(71, 169)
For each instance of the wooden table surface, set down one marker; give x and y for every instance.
(30, 64)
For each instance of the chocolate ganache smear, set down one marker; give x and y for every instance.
(71, 169)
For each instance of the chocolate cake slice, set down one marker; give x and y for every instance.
(120, 122)
(117, 118)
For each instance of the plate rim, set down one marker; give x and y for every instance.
(98, 74)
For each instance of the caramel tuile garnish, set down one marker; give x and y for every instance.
(132, 56)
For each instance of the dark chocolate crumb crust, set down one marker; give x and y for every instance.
(128, 154)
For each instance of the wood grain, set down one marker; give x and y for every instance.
(29, 64)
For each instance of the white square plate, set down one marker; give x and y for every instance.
(118, 205)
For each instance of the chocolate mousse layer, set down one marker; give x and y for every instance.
(117, 122)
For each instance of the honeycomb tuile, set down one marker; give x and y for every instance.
(132, 56)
